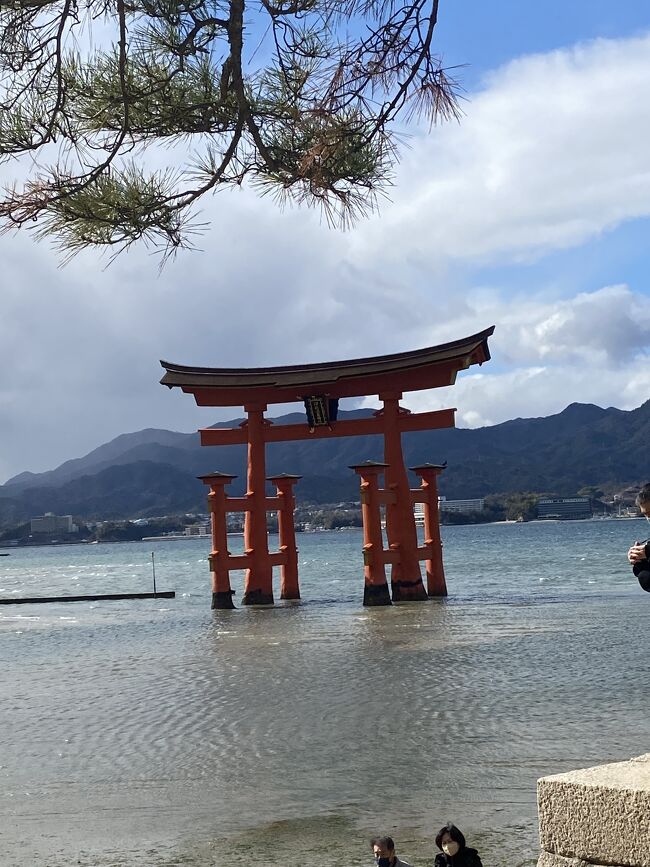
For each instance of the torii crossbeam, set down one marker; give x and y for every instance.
(319, 387)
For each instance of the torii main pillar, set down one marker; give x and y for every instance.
(258, 583)
(406, 580)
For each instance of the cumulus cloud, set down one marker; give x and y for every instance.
(593, 348)
(551, 152)
(531, 392)
(608, 327)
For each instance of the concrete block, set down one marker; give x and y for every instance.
(600, 815)
(546, 859)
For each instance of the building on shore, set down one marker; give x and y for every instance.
(445, 505)
(564, 508)
(197, 530)
(192, 531)
(475, 505)
(50, 523)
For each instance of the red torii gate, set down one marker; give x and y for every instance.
(320, 386)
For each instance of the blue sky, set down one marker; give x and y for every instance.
(532, 214)
(485, 34)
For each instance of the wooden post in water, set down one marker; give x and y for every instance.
(375, 591)
(221, 591)
(428, 473)
(289, 587)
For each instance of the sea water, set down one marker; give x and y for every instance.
(158, 732)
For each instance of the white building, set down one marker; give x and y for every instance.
(445, 505)
(461, 505)
(564, 507)
(197, 530)
(51, 523)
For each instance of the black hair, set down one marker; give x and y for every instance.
(643, 496)
(385, 843)
(453, 832)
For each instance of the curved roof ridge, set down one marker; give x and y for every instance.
(342, 363)
(430, 367)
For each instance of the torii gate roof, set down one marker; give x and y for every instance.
(431, 367)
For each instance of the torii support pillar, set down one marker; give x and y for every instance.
(406, 578)
(428, 473)
(221, 592)
(289, 588)
(375, 590)
(258, 583)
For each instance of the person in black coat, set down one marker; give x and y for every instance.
(453, 851)
(639, 553)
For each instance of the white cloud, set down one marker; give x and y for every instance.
(551, 153)
(532, 392)
(593, 348)
(605, 328)
(487, 399)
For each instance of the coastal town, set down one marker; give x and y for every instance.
(50, 529)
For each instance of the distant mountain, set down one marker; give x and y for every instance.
(126, 448)
(153, 472)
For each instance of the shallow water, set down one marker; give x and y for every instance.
(158, 732)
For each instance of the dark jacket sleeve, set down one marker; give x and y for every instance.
(642, 572)
(440, 860)
(642, 569)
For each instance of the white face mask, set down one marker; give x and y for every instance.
(450, 848)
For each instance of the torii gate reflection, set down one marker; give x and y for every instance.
(319, 387)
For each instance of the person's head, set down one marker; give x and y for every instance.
(450, 840)
(643, 500)
(383, 848)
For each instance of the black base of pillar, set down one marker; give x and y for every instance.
(437, 595)
(222, 599)
(290, 595)
(376, 594)
(409, 591)
(257, 597)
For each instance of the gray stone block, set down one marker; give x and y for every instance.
(600, 815)
(546, 859)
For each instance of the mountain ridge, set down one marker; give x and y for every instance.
(153, 471)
